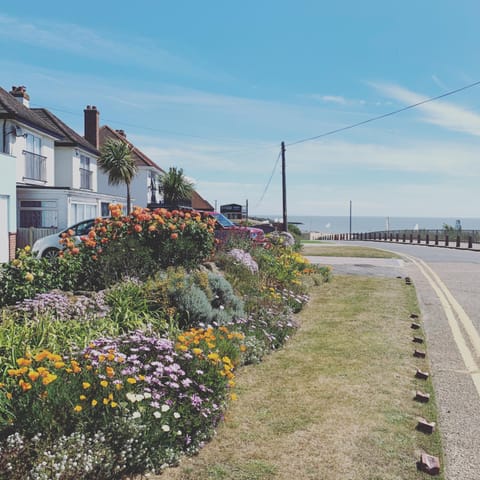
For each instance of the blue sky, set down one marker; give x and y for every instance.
(214, 87)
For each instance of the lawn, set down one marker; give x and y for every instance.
(336, 402)
(328, 250)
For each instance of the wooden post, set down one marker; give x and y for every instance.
(284, 190)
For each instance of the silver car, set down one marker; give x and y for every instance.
(50, 246)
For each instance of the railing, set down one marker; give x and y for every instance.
(86, 179)
(35, 166)
(29, 235)
(439, 238)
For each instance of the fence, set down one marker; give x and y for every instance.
(442, 238)
(28, 235)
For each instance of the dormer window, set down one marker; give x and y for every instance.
(85, 173)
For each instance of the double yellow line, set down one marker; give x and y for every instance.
(456, 317)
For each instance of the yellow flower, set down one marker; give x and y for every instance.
(59, 364)
(114, 404)
(197, 351)
(118, 386)
(110, 372)
(106, 401)
(213, 356)
(131, 380)
(39, 357)
(94, 403)
(23, 362)
(32, 375)
(24, 385)
(27, 248)
(29, 277)
(104, 383)
(83, 397)
(233, 396)
(86, 385)
(49, 379)
(78, 408)
(9, 395)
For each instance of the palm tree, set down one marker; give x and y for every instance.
(175, 187)
(116, 160)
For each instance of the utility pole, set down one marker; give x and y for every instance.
(284, 190)
(350, 230)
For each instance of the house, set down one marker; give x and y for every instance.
(8, 207)
(144, 186)
(56, 168)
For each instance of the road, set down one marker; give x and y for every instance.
(447, 282)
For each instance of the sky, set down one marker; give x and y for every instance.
(214, 87)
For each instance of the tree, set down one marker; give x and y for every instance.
(116, 160)
(175, 187)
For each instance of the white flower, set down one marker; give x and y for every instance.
(147, 395)
(176, 415)
(165, 408)
(165, 428)
(179, 432)
(131, 397)
(136, 414)
(157, 414)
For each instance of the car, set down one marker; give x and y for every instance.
(50, 246)
(225, 229)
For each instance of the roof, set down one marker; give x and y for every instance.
(11, 108)
(140, 158)
(199, 203)
(68, 137)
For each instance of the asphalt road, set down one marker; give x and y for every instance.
(447, 282)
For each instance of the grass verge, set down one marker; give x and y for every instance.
(346, 251)
(335, 403)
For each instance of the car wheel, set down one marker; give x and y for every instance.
(50, 253)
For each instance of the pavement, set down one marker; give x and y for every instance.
(447, 283)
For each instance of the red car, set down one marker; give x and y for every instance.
(225, 229)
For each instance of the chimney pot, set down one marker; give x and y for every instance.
(20, 93)
(122, 133)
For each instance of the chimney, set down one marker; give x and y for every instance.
(20, 93)
(122, 133)
(92, 125)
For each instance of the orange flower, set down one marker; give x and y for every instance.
(174, 236)
(138, 228)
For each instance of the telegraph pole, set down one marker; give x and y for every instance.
(284, 190)
(350, 229)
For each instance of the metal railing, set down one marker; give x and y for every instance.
(442, 238)
(86, 179)
(35, 166)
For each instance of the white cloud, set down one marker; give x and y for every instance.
(85, 42)
(439, 112)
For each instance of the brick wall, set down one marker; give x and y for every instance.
(12, 245)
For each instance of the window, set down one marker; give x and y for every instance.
(105, 211)
(38, 213)
(85, 173)
(34, 144)
(83, 211)
(35, 163)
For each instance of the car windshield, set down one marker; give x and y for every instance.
(222, 220)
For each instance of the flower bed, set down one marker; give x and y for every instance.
(126, 380)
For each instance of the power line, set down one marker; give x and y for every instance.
(389, 114)
(270, 179)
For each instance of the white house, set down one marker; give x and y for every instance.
(8, 207)
(56, 168)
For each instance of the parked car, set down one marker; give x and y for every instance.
(225, 229)
(50, 246)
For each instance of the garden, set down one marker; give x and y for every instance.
(119, 356)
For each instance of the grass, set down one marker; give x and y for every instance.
(346, 251)
(335, 403)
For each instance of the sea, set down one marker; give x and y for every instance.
(341, 224)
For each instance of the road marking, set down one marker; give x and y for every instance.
(453, 310)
